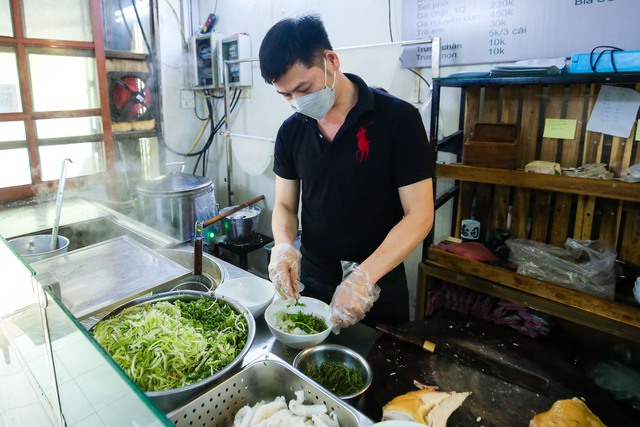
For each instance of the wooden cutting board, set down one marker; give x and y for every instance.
(493, 402)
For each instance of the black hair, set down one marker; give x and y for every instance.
(302, 39)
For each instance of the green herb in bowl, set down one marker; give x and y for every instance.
(300, 323)
(337, 377)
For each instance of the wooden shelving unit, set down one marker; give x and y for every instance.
(545, 208)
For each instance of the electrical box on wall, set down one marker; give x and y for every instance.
(233, 48)
(204, 57)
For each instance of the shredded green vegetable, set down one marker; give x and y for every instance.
(163, 346)
(301, 323)
(337, 378)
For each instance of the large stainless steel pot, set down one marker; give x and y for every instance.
(173, 203)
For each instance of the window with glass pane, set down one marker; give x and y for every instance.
(63, 82)
(10, 101)
(14, 158)
(78, 139)
(6, 29)
(89, 159)
(57, 19)
(121, 29)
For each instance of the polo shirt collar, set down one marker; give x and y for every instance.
(365, 97)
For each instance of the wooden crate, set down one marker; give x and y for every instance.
(492, 145)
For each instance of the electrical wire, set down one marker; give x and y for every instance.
(144, 35)
(195, 108)
(215, 128)
(400, 58)
(199, 135)
(184, 36)
(203, 153)
(414, 72)
(607, 49)
(389, 18)
(124, 20)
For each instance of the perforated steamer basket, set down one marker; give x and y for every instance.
(264, 379)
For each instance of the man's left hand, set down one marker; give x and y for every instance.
(352, 299)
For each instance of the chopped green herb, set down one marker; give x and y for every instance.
(163, 346)
(300, 323)
(337, 377)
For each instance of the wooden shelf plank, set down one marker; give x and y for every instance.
(623, 314)
(611, 189)
(582, 317)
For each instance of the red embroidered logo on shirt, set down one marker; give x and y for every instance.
(363, 144)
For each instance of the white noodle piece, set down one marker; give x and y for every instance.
(298, 408)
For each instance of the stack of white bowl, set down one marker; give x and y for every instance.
(636, 289)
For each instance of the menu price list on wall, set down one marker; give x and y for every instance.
(491, 31)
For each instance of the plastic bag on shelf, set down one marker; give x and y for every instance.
(583, 265)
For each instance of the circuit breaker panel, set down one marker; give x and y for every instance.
(207, 56)
(233, 48)
(204, 61)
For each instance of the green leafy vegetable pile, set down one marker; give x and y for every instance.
(301, 323)
(163, 346)
(337, 377)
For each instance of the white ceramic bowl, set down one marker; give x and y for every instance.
(252, 292)
(311, 306)
(636, 290)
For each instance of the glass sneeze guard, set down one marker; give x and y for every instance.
(52, 372)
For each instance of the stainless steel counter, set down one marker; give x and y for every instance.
(34, 219)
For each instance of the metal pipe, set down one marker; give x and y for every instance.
(56, 221)
(402, 43)
(227, 138)
(227, 121)
(260, 138)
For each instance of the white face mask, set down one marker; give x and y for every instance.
(317, 104)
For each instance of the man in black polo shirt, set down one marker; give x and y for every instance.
(362, 160)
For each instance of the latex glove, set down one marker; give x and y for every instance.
(284, 270)
(352, 299)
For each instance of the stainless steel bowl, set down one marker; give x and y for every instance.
(35, 248)
(168, 400)
(314, 356)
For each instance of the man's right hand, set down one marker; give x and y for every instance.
(284, 270)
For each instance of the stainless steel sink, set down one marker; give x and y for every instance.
(94, 231)
(84, 223)
(215, 272)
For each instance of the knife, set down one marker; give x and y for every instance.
(473, 359)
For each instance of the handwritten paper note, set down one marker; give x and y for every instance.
(9, 98)
(615, 111)
(560, 128)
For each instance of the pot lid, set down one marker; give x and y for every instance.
(176, 182)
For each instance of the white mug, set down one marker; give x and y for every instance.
(470, 229)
